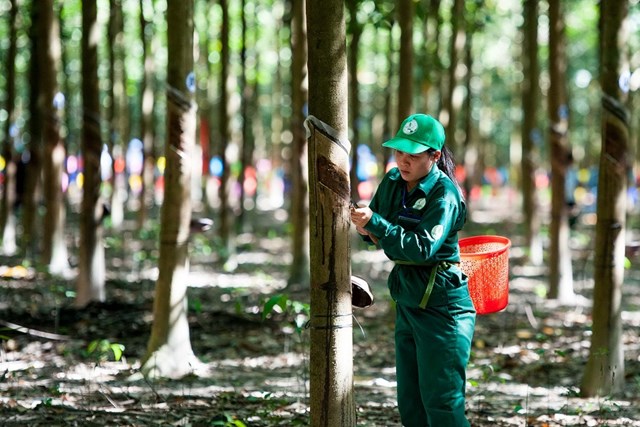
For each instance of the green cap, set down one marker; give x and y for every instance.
(417, 134)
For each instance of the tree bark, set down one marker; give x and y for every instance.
(91, 268)
(355, 31)
(118, 110)
(55, 250)
(331, 360)
(530, 133)
(34, 167)
(224, 193)
(246, 155)
(389, 125)
(7, 212)
(405, 72)
(432, 66)
(470, 155)
(560, 269)
(331, 353)
(169, 353)
(146, 119)
(299, 271)
(604, 372)
(452, 103)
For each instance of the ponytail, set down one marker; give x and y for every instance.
(447, 164)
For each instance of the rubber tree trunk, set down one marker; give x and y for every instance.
(117, 112)
(33, 182)
(54, 252)
(430, 62)
(530, 132)
(604, 372)
(331, 354)
(560, 269)
(456, 53)
(169, 352)
(226, 231)
(7, 212)
(146, 116)
(355, 32)
(246, 142)
(388, 127)
(91, 268)
(405, 66)
(331, 360)
(299, 270)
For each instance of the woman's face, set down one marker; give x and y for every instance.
(414, 167)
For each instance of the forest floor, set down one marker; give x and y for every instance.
(526, 366)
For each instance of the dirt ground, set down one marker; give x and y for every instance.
(57, 364)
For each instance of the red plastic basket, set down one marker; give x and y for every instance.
(485, 259)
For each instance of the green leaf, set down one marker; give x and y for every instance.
(227, 420)
(93, 345)
(300, 307)
(300, 321)
(117, 350)
(279, 300)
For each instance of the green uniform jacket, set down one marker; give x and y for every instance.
(419, 230)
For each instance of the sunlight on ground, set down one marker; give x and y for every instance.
(632, 318)
(203, 279)
(526, 401)
(17, 272)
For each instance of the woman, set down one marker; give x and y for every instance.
(415, 217)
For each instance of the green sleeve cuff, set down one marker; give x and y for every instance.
(377, 225)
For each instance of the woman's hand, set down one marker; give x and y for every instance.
(360, 217)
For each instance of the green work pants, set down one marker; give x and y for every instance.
(432, 352)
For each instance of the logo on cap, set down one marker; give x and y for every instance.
(410, 127)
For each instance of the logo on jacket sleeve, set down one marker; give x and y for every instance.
(436, 231)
